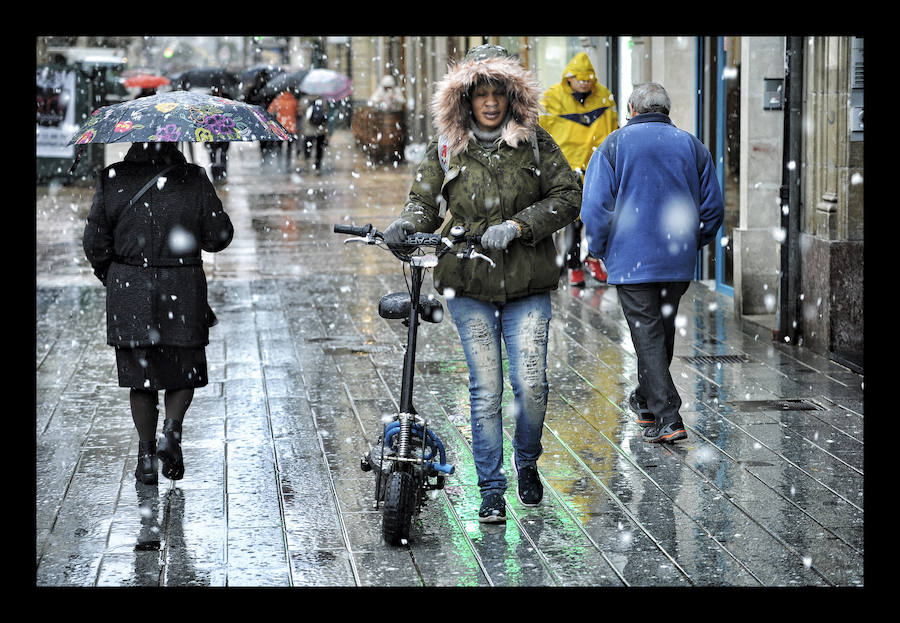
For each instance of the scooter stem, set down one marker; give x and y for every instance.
(409, 361)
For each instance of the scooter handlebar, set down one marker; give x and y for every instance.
(353, 230)
(418, 239)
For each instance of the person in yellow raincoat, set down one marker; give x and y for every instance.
(581, 113)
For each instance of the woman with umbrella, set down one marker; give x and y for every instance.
(147, 254)
(319, 86)
(152, 215)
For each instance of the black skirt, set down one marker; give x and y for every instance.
(161, 367)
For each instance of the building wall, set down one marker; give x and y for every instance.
(832, 239)
(673, 63)
(756, 239)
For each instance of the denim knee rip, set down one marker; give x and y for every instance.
(532, 348)
(487, 389)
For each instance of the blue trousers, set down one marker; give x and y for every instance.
(523, 325)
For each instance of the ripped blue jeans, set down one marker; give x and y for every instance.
(523, 324)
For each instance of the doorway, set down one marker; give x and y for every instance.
(719, 108)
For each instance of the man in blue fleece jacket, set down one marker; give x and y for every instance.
(651, 200)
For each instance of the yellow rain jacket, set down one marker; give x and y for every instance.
(579, 128)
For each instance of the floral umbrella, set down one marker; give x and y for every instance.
(179, 116)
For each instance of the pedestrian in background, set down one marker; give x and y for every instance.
(151, 215)
(284, 109)
(651, 202)
(580, 115)
(387, 96)
(218, 150)
(218, 158)
(313, 128)
(255, 92)
(486, 113)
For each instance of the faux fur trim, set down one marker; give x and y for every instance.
(451, 111)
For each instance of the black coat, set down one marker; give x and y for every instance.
(148, 256)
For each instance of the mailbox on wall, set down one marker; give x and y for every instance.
(773, 93)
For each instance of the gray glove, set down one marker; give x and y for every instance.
(499, 236)
(397, 231)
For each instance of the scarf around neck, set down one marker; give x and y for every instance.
(490, 138)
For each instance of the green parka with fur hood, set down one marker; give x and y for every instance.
(485, 187)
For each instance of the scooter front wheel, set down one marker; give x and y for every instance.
(399, 504)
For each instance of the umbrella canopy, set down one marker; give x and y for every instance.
(207, 78)
(254, 80)
(329, 84)
(289, 81)
(179, 116)
(145, 81)
(264, 71)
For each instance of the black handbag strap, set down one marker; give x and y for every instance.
(150, 183)
(163, 262)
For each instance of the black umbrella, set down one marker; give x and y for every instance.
(265, 71)
(288, 81)
(254, 80)
(225, 81)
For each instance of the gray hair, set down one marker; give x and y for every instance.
(649, 97)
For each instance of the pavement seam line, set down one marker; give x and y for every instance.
(275, 458)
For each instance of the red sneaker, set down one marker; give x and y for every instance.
(576, 277)
(595, 267)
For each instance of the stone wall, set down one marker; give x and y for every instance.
(832, 246)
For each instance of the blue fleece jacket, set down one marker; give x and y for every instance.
(651, 201)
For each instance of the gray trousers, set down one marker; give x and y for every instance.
(650, 310)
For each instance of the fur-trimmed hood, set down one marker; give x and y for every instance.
(452, 111)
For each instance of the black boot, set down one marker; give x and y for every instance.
(147, 464)
(169, 450)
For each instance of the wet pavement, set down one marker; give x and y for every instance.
(766, 491)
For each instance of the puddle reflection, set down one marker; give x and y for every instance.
(149, 537)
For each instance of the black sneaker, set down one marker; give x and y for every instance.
(665, 432)
(493, 509)
(645, 416)
(530, 491)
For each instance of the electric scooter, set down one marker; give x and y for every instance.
(408, 458)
